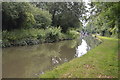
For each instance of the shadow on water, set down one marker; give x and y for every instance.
(31, 61)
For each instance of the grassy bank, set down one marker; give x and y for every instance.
(100, 62)
(22, 37)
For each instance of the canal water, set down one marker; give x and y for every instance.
(32, 61)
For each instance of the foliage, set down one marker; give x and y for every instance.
(17, 15)
(53, 34)
(106, 19)
(42, 18)
(24, 15)
(64, 14)
(72, 34)
(25, 22)
(33, 35)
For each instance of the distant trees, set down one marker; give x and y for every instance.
(16, 15)
(43, 18)
(64, 14)
(67, 14)
(106, 19)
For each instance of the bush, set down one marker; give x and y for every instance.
(72, 34)
(53, 34)
(31, 35)
(43, 19)
(34, 36)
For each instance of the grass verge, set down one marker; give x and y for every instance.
(100, 62)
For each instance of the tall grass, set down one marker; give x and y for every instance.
(34, 36)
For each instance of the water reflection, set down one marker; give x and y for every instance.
(82, 49)
(87, 43)
(31, 61)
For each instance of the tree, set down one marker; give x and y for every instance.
(24, 15)
(67, 14)
(17, 15)
(42, 18)
(105, 21)
(64, 14)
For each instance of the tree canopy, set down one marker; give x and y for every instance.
(106, 18)
(64, 14)
(42, 15)
(16, 15)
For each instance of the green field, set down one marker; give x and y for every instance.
(100, 62)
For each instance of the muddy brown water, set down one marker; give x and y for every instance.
(32, 61)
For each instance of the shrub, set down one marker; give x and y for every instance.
(53, 34)
(72, 34)
(35, 36)
(43, 19)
